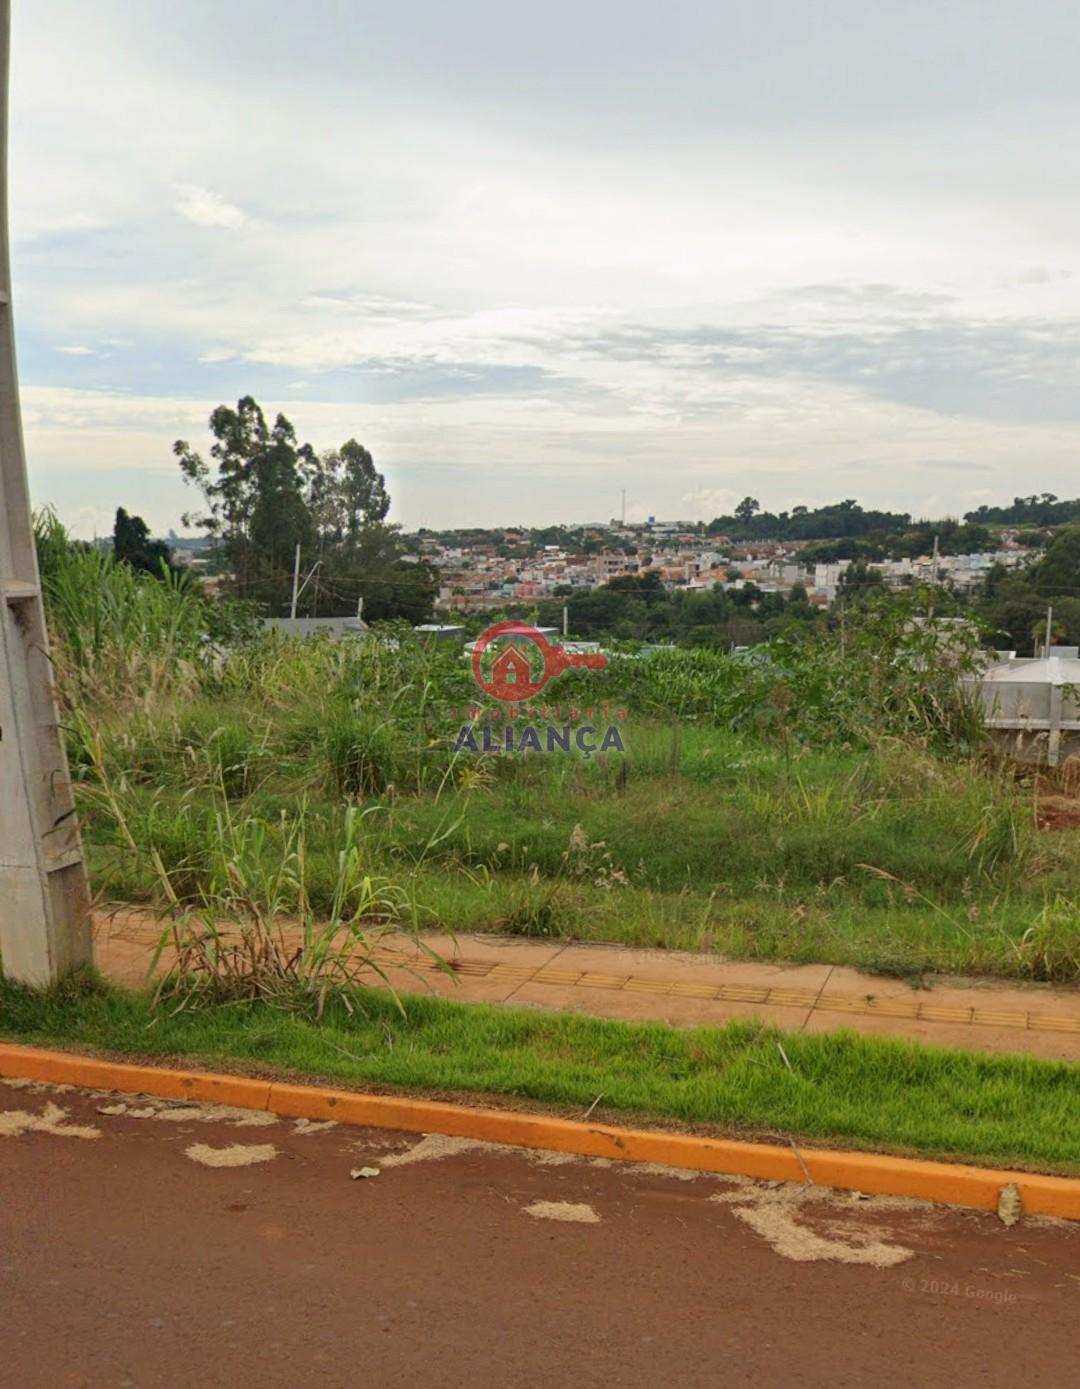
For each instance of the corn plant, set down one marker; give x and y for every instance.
(118, 634)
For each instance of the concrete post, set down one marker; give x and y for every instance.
(1053, 746)
(44, 898)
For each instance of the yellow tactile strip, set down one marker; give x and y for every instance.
(865, 1005)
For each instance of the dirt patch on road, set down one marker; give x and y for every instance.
(780, 1216)
(432, 1148)
(573, 1212)
(183, 1112)
(235, 1155)
(52, 1119)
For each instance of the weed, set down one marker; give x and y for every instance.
(1049, 950)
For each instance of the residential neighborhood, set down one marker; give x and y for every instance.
(479, 572)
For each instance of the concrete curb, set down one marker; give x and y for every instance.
(952, 1184)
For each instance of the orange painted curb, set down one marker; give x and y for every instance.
(952, 1184)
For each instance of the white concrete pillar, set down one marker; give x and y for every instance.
(44, 898)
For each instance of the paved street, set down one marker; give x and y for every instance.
(148, 1243)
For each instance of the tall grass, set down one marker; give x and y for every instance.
(120, 635)
(235, 892)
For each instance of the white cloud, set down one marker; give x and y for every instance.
(713, 258)
(206, 208)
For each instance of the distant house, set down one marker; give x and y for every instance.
(334, 627)
(440, 631)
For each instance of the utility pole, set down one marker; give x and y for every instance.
(297, 592)
(1049, 625)
(44, 895)
(295, 583)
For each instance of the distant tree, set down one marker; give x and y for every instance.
(266, 493)
(1058, 570)
(132, 545)
(254, 495)
(847, 547)
(345, 493)
(1038, 509)
(1059, 631)
(840, 519)
(860, 578)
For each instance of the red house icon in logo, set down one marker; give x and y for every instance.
(512, 668)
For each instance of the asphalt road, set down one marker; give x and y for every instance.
(126, 1262)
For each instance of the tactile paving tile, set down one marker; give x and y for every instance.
(737, 993)
(557, 976)
(792, 998)
(695, 990)
(1049, 1023)
(892, 1008)
(933, 1012)
(840, 1003)
(988, 1017)
(502, 971)
(648, 986)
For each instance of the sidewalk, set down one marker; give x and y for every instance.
(691, 990)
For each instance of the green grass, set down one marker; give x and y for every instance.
(884, 858)
(842, 1089)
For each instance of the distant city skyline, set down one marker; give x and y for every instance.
(695, 251)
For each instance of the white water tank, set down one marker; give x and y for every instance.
(1032, 706)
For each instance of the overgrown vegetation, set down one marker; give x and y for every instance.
(825, 798)
(859, 1092)
(121, 633)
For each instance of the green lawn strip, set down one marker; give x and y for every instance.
(841, 1089)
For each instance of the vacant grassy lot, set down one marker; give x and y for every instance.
(886, 856)
(825, 801)
(834, 1089)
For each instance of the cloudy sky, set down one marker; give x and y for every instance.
(532, 255)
